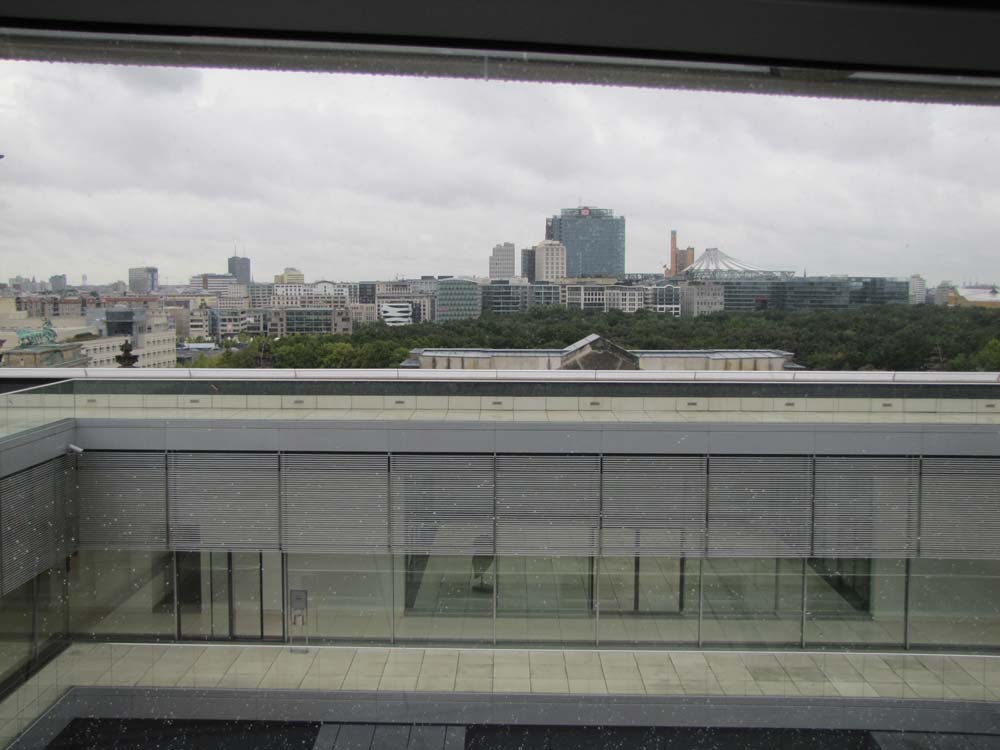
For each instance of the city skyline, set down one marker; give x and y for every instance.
(365, 177)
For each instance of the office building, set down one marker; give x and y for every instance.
(502, 261)
(143, 280)
(212, 283)
(505, 296)
(58, 283)
(701, 298)
(290, 276)
(679, 258)
(918, 290)
(240, 268)
(594, 240)
(549, 261)
(528, 264)
(310, 321)
(663, 298)
(458, 299)
(398, 313)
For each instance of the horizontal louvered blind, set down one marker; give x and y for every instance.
(866, 507)
(653, 505)
(548, 505)
(334, 503)
(223, 501)
(759, 506)
(32, 514)
(122, 500)
(442, 504)
(960, 508)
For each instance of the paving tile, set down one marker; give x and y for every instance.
(436, 683)
(549, 685)
(398, 682)
(511, 685)
(625, 687)
(587, 687)
(473, 684)
(361, 681)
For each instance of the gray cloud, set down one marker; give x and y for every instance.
(351, 176)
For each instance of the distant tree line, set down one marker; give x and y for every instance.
(889, 337)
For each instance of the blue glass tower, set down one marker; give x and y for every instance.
(594, 240)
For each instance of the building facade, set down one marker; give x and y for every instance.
(502, 261)
(701, 298)
(458, 299)
(918, 290)
(594, 240)
(143, 280)
(290, 276)
(240, 268)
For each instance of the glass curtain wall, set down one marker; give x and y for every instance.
(32, 617)
(645, 601)
(121, 593)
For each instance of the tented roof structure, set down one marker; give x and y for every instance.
(715, 264)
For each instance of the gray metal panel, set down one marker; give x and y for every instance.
(960, 508)
(256, 437)
(33, 514)
(759, 506)
(641, 438)
(866, 507)
(775, 439)
(334, 438)
(93, 435)
(876, 440)
(961, 440)
(223, 501)
(32, 446)
(570, 438)
(548, 505)
(442, 441)
(653, 505)
(122, 501)
(334, 502)
(442, 504)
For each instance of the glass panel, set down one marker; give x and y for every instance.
(855, 602)
(955, 603)
(545, 600)
(246, 594)
(752, 600)
(15, 630)
(348, 596)
(445, 598)
(121, 593)
(203, 594)
(50, 601)
(648, 600)
(272, 598)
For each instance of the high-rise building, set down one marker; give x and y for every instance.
(594, 240)
(458, 299)
(240, 268)
(143, 280)
(58, 283)
(918, 290)
(549, 261)
(502, 261)
(528, 264)
(290, 276)
(680, 258)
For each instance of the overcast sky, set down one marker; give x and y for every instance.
(362, 177)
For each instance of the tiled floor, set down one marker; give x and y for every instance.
(591, 672)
